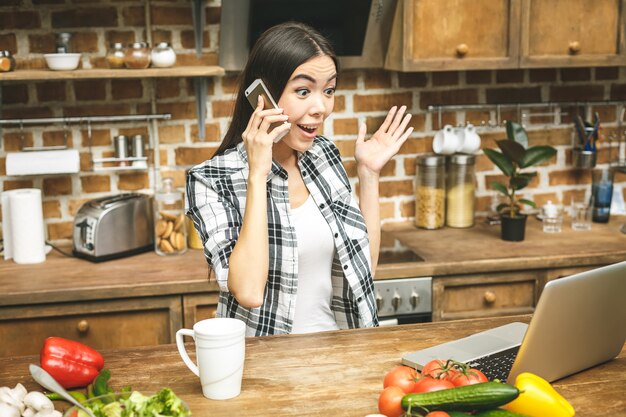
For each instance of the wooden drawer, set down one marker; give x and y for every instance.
(99, 324)
(485, 295)
(198, 307)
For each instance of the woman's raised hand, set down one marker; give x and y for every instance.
(374, 153)
(259, 140)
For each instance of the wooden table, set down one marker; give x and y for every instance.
(325, 374)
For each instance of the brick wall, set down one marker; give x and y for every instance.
(28, 28)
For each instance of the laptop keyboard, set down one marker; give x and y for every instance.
(497, 365)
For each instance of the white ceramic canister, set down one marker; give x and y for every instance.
(163, 56)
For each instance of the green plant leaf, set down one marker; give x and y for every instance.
(500, 161)
(527, 202)
(537, 154)
(512, 150)
(519, 182)
(498, 186)
(516, 133)
(502, 208)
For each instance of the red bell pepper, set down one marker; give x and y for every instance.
(71, 363)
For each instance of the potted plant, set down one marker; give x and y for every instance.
(514, 157)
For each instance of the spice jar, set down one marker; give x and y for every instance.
(7, 62)
(163, 56)
(460, 191)
(430, 191)
(137, 56)
(170, 230)
(121, 149)
(115, 56)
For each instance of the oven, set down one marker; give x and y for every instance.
(404, 300)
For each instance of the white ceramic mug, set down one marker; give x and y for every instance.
(469, 140)
(220, 352)
(445, 141)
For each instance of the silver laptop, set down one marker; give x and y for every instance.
(579, 322)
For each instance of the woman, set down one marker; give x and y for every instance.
(285, 237)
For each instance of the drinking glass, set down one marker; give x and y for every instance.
(581, 213)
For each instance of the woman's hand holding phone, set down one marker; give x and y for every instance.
(259, 139)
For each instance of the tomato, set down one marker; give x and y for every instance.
(468, 377)
(428, 384)
(402, 377)
(439, 369)
(437, 414)
(390, 402)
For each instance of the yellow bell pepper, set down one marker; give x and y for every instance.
(538, 398)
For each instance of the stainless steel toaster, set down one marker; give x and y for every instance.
(114, 227)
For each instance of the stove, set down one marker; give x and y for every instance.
(404, 300)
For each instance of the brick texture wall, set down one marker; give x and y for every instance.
(28, 29)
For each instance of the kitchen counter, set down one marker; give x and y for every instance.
(440, 252)
(336, 373)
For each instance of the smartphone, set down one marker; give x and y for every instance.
(256, 89)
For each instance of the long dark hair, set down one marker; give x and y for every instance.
(274, 57)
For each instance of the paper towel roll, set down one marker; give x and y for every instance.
(23, 229)
(43, 162)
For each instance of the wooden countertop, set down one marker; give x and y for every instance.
(336, 373)
(450, 251)
(445, 251)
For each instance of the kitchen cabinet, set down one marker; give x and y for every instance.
(99, 324)
(431, 35)
(570, 33)
(486, 295)
(198, 307)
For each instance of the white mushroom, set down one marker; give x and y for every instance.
(48, 413)
(29, 412)
(7, 410)
(6, 397)
(19, 392)
(37, 401)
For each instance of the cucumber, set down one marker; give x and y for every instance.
(459, 414)
(497, 412)
(483, 396)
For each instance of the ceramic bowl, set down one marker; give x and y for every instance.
(62, 62)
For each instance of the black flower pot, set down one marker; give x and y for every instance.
(513, 228)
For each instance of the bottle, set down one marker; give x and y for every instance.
(170, 231)
(163, 56)
(7, 62)
(63, 43)
(430, 199)
(460, 191)
(137, 56)
(115, 55)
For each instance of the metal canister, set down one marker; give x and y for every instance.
(137, 150)
(430, 198)
(460, 191)
(121, 149)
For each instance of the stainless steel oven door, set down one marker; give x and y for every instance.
(404, 300)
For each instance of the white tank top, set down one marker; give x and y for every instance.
(316, 250)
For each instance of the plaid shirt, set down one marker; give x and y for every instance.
(216, 200)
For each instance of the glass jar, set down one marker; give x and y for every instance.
(137, 56)
(7, 62)
(460, 191)
(430, 198)
(63, 43)
(115, 55)
(163, 56)
(170, 232)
